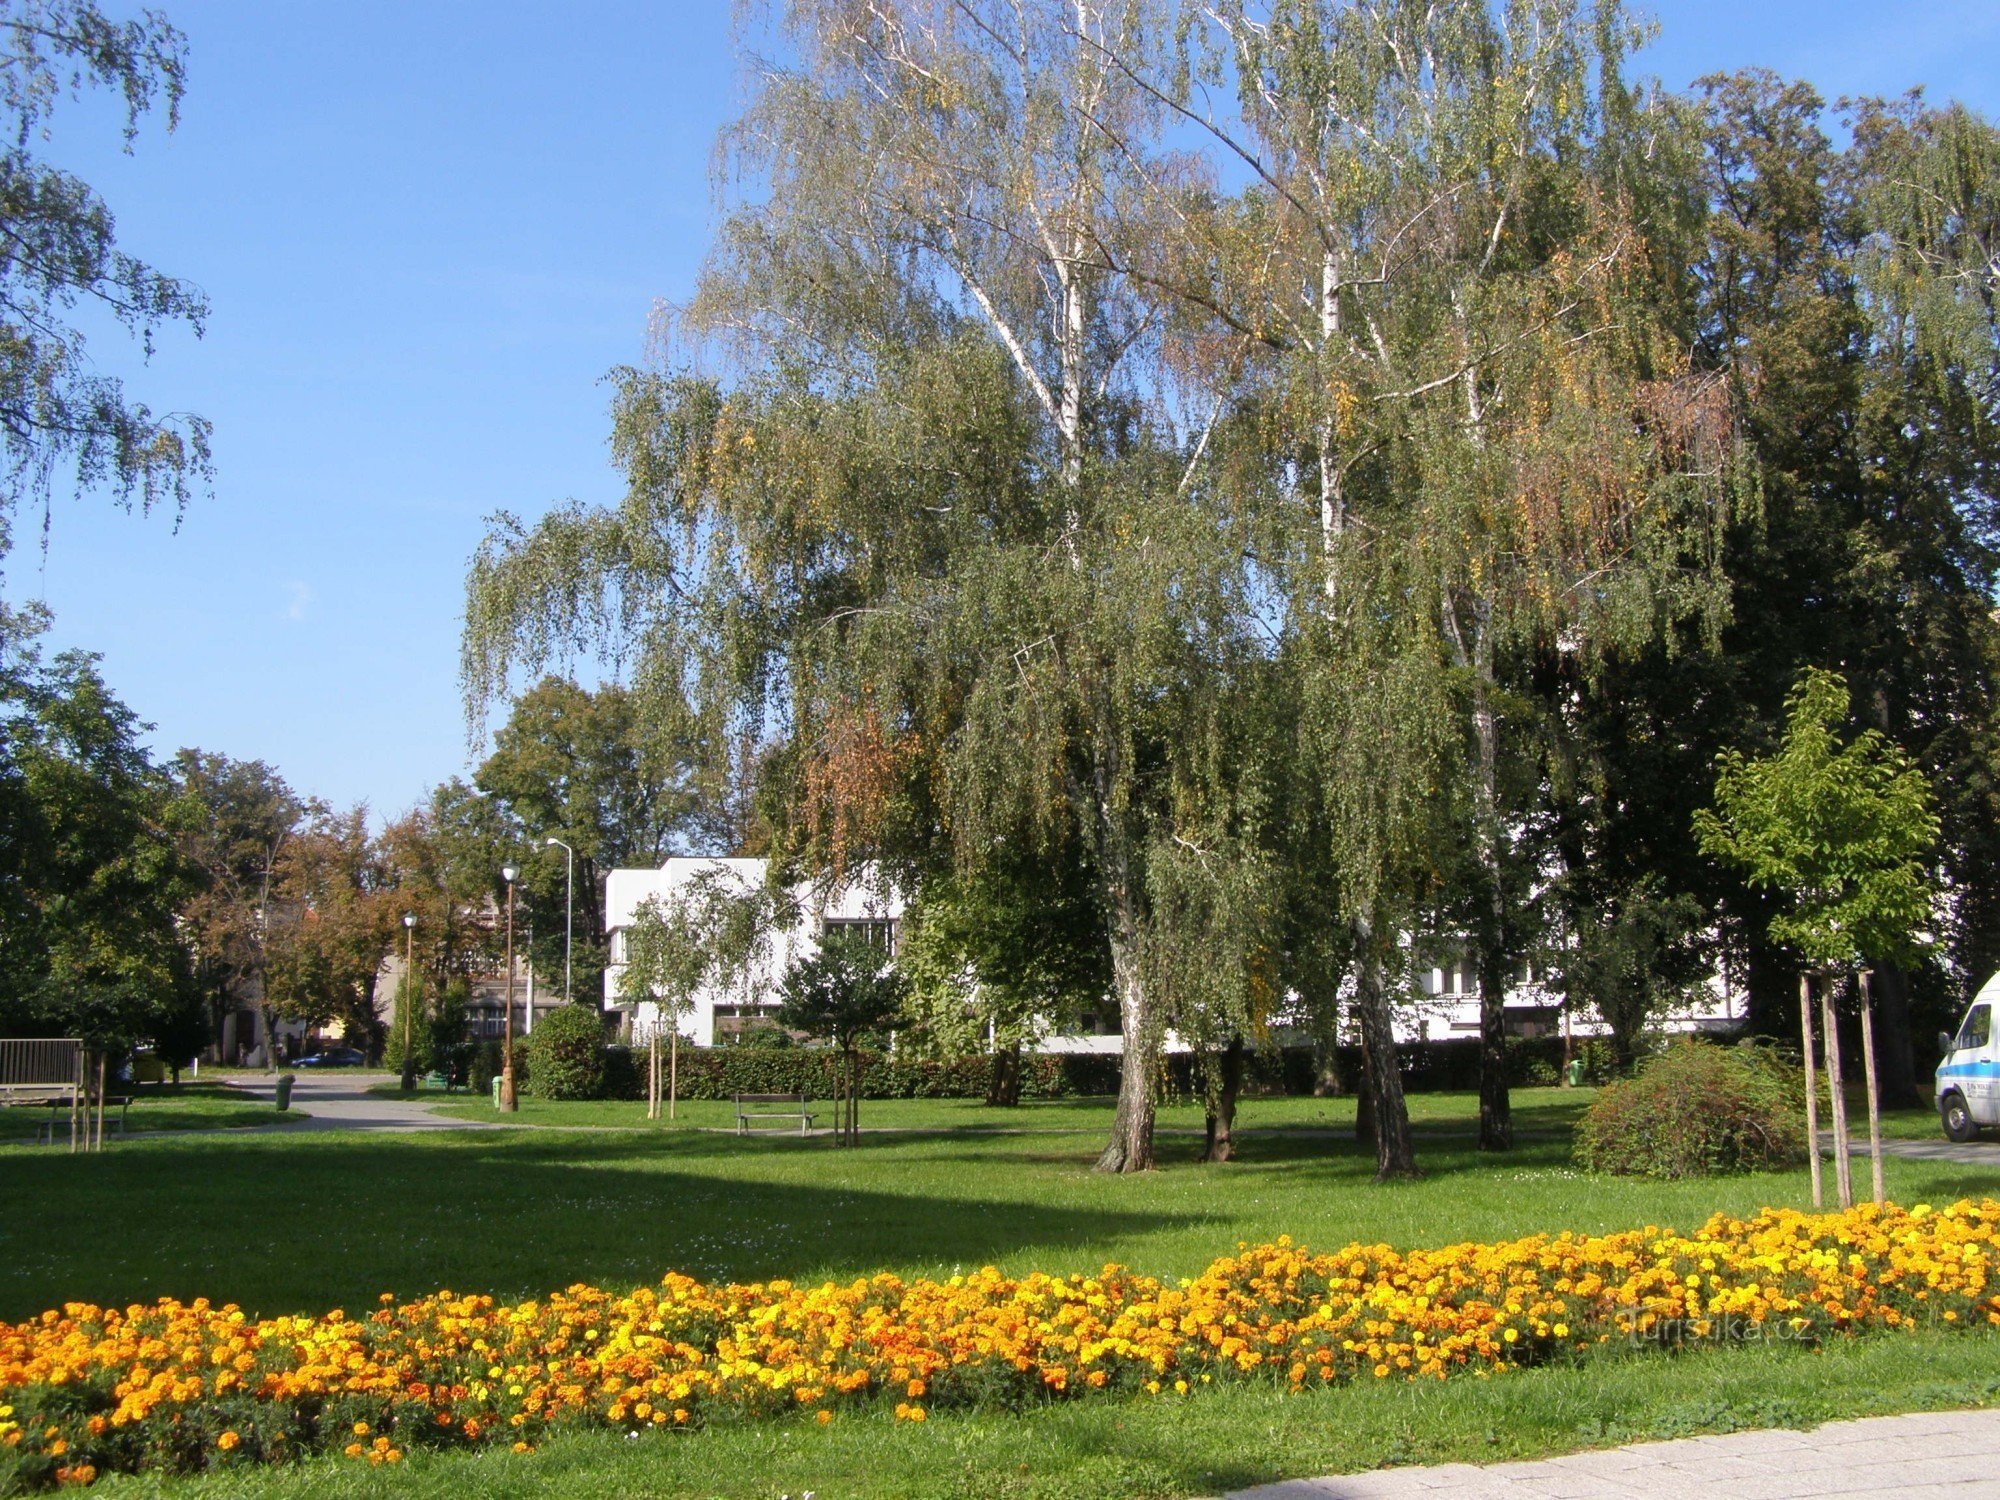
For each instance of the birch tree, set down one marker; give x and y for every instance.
(1458, 323)
(934, 541)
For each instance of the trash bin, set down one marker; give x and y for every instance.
(1576, 1072)
(285, 1081)
(496, 1090)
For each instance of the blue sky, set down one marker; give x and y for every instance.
(427, 231)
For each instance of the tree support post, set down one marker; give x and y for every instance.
(1812, 1088)
(1868, 1075)
(1843, 1176)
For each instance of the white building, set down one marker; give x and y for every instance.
(860, 905)
(1446, 1005)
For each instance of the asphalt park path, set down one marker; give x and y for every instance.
(338, 1099)
(1954, 1455)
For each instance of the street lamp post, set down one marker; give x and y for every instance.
(409, 997)
(508, 1102)
(569, 909)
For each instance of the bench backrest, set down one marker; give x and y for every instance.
(798, 1099)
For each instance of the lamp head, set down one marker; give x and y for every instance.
(409, 919)
(507, 873)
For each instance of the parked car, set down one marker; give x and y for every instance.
(333, 1057)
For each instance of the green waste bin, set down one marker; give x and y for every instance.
(285, 1090)
(496, 1090)
(1576, 1072)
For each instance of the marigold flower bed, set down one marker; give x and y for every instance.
(185, 1387)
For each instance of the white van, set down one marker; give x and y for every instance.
(1968, 1080)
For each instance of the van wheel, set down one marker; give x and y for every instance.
(1958, 1124)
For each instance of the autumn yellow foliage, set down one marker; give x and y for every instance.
(188, 1386)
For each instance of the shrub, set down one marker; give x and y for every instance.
(485, 1061)
(1694, 1110)
(566, 1054)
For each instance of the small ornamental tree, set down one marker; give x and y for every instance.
(409, 1020)
(712, 930)
(843, 993)
(1840, 831)
(668, 957)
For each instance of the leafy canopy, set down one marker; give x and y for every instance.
(58, 412)
(1843, 831)
(842, 993)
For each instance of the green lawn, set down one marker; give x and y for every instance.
(157, 1107)
(283, 1223)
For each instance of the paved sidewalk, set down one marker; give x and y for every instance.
(1980, 1153)
(1954, 1453)
(341, 1101)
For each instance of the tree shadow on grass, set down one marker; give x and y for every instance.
(313, 1223)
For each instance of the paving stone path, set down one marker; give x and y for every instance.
(1952, 1454)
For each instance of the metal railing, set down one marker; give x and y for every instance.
(40, 1062)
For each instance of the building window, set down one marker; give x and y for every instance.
(877, 932)
(618, 945)
(1452, 980)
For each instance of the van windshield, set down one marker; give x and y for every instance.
(1977, 1028)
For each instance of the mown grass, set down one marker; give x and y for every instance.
(283, 1223)
(156, 1107)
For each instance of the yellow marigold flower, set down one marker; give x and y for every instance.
(228, 1441)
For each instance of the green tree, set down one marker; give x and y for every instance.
(409, 1016)
(710, 933)
(1869, 551)
(938, 558)
(1455, 281)
(1000, 954)
(337, 922)
(442, 863)
(58, 412)
(846, 992)
(233, 821)
(612, 782)
(1841, 832)
(90, 878)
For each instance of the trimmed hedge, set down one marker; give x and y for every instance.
(567, 1052)
(718, 1072)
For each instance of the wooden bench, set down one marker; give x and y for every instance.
(781, 1107)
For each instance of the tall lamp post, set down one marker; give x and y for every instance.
(508, 1102)
(409, 997)
(569, 909)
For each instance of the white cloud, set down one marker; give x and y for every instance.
(302, 597)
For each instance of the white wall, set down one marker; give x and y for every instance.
(861, 897)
